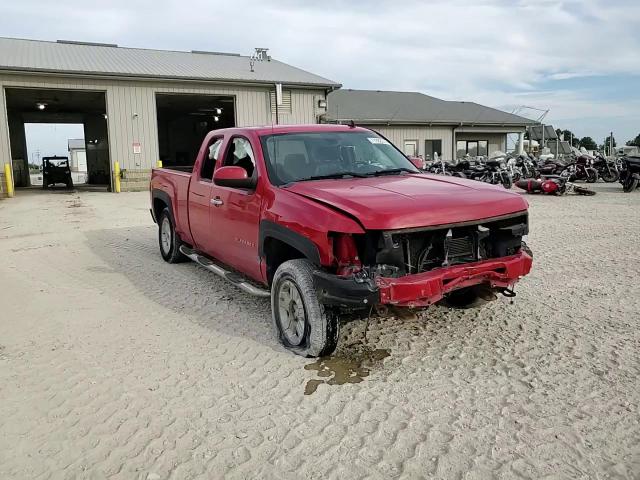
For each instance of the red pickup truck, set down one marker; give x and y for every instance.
(328, 218)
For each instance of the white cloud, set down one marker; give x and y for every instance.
(490, 51)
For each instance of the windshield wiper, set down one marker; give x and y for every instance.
(391, 171)
(333, 175)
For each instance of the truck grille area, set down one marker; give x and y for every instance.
(461, 247)
(396, 253)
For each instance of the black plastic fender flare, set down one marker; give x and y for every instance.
(269, 229)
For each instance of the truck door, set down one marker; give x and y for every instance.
(235, 214)
(200, 196)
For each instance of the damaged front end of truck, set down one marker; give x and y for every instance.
(461, 263)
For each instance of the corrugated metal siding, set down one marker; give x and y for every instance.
(398, 134)
(286, 102)
(126, 98)
(303, 108)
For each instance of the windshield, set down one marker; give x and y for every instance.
(293, 157)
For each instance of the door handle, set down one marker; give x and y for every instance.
(217, 201)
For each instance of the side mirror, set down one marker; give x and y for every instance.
(235, 177)
(417, 162)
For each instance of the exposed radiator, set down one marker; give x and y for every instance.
(461, 247)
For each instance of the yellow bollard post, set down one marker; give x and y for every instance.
(8, 178)
(159, 164)
(116, 174)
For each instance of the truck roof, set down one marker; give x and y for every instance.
(280, 129)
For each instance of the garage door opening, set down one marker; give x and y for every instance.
(57, 143)
(184, 121)
(46, 123)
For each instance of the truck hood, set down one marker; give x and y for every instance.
(409, 201)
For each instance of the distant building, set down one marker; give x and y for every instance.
(424, 125)
(77, 155)
(139, 105)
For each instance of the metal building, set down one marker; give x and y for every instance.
(422, 125)
(139, 106)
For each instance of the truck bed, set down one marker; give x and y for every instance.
(175, 183)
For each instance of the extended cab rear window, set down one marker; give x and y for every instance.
(293, 157)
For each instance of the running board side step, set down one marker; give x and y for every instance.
(231, 277)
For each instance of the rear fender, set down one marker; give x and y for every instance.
(164, 198)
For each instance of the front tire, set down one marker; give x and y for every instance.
(630, 184)
(609, 175)
(507, 182)
(301, 323)
(168, 239)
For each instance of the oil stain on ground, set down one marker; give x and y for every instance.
(338, 370)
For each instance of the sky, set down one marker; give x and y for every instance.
(49, 139)
(580, 60)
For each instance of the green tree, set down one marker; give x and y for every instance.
(635, 142)
(588, 143)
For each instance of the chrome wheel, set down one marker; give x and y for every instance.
(165, 235)
(292, 313)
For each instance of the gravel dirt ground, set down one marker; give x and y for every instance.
(114, 364)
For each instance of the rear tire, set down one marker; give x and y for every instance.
(301, 323)
(168, 239)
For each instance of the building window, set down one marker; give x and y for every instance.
(411, 148)
(286, 102)
(431, 147)
(473, 148)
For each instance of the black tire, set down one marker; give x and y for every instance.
(507, 181)
(630, 184)
(609, 175)
(463, 298)
(592, 176)
(315, 329)
(170, 246)
(583, 190)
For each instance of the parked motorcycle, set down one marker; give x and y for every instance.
(491, 171)
(630, 173)
(581, 169)
(606, 170)
(521, 166)
(550, 167)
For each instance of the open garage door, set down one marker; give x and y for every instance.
(184, 120)
(53, 106)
